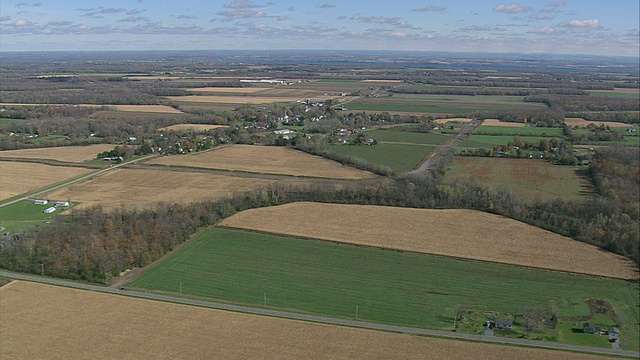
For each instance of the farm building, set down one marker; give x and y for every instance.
(589, 328)
(504, 324)
(40, 202)
(49, 210)
(614, 333)
(61, 203)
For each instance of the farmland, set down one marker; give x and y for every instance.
(15, 218)
(582, 123)
(18, 178)
(529, 179)
(485, 237)
(390, 287)
(489, 141)
(145, 187)
(399, 157)
(34, 314)
(520, 131)
(229, 99)
(75, 154)
(265, 159)
(192, 127)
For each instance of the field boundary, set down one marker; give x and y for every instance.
(423, 253)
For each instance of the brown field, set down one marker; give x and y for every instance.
(243, 99)
(76, 154)
(45, 321)
(239, 90)
(381, 81)
(458, 233)
(141, 188)
(267, 160)
(582, 123)
(444, 121)
(496, 122)
(192, 127)
(18, 178)
(161, 109)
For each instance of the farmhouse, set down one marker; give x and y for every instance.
(504, 324)
(40, 202)
(49, 210)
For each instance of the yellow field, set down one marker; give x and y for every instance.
(76, 154)
(244, 99)
(457, 233)
(18, 178)
(582, 123)
(192, 127)
(496, 122)
(444, 121)
(43, 321)
(240, 90)
(266, 160)
(140, 188)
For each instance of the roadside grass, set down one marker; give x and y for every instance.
(513, 131)
(383, 286)
(529, 179)
(18, 217)
(399, 157)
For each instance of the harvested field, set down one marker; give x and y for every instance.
(457, 233)
(192, 127)
(162, 109)
(583, 123)
(18, 178)
(140, 188)
(496, 122)
(243, 99)
(76, 154)
(381, 81)
(267, 160)
(444, 121)
(63, 323)
(239, 90)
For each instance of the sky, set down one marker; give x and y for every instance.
(592, 27)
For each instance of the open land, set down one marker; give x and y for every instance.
(265, 159)
(126, 108)
(18, 178)
(489, 141)
(439, 103)
(378, 285)
(496, 122)
(19, 216)
(457, 233)
(192, 127)
(242, 99)
(145, 187)
(399, 157)
(62, 323)
(582, 123)
(444, 121)
(518, 130)
(238, 90)
(76, 154)
(529, 179)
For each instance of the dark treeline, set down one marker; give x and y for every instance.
(630, 117)
(586, 103)
(94, 244)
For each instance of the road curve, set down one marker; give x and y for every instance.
(317, 319)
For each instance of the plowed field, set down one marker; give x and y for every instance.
(18, 178)
(63, 153)
(457, 233)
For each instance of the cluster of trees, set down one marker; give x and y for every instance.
(595, 133)
(571, 103)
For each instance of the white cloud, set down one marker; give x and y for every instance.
(511, 8)
(633, 32)
(545, 30)
(430, 8)
(245, 4)
(326, 6)
(242, 14)
(591, 24)
(395, 21)
(22, 22)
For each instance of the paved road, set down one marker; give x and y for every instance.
(72, 181)
(446, 148)
(316, 319)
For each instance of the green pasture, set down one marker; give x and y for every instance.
(407, 137)
(328, 279)
(399, 157)
(6, 121)
(529, 179)
(444, 104)
(520, 131)
(19, 216)
(489, 141)
(614, 94)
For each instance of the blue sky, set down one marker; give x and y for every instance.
(568, 27)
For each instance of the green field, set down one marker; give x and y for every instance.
(408, 137)
(338, 81)
(528, 179)
(399, 157)
(442, 104)
(391, 287)
(489, 141)
(614, 94)
(513, 131)
(5, 121)
(17, 217)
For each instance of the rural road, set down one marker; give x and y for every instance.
(316, 319)
(447, 147)
(72, 181)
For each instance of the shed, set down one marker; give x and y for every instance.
(49, 210)
(589, 328)
(61, 203)
(504, 324)
(40, 202)
(614, 333)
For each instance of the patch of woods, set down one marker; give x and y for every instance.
(93, 244)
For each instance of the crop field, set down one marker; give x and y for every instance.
(619, 93)
(392, 287)
(126, 108)
(530, 179)
(407, 137)
(192, 127)
(267, 160)
(444, 121)
(582, 123)
(457, 233)
(145, 187)
(522, 131)
(399, 157)
(63, 323)
(489, 141)
(441, 104)
(496, 122)
(18, 178)
(226, 99)
(229, 90)
(76, 154)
